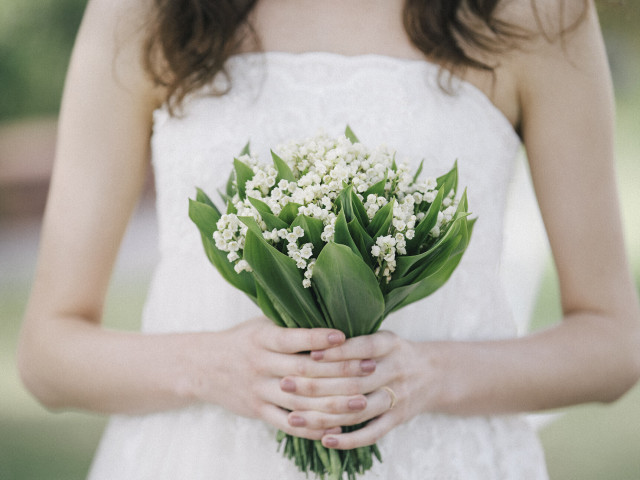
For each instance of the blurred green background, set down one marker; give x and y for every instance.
(585, 442)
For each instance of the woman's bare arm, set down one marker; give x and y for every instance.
(66, 359)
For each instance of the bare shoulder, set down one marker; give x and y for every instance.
(551, 30)
(113, 32)
(561, 49)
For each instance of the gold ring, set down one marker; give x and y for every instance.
(392, 396)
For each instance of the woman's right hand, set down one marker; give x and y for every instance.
(244, 376)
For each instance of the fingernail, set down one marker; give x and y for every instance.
(287, 385)
(330, 442)
(357, 403)
(335, 338)
(368, 365)
(296, 421)
(317, 355)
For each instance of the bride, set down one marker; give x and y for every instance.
(199, 393)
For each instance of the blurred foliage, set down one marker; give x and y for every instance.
(35, 45)
(36, 38)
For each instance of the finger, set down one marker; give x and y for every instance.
(278, 418)
(294, 340)
(366, 346)
(333, 405)
(377, 404)
(355, 385)
(302, 365)
(368, 435)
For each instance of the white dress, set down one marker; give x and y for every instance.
(276, 97)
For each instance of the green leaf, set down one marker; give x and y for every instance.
(377, 188)
(449, 180)
(251, 223)
(381, 221)
(282, 281)
(289, 212)
(362, 241)
(349, 290)
(205, 217)
(260, 205)
(265, 304)
(203, 198)
(284, 172)
(313, 228)
(267, 216)
(246, 150)
(424, 263)
(401, 297)
(230, 189)
(350, 135)
(358, 209)
(428, 222)
(243, 173)
(231, 208)
(342, 234)
(418, 172)
(351, 205)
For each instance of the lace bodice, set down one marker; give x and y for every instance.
(276, 97)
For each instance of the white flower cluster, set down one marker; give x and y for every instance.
(323, 166)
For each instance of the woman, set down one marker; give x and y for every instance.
(202, 390)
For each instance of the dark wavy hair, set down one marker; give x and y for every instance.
(189, 41)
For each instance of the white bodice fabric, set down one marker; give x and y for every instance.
(276, 97)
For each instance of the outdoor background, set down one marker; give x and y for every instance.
(587, 442)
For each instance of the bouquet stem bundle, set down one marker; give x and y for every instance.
(334, 235)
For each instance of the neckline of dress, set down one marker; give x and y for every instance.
(379, 59)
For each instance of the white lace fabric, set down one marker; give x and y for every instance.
(276, 97)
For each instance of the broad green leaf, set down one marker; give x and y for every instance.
(349, 290)
(342, 234)
(424, 287)
(377, 188)
(251, 223)
(289, 212)
(205, 217)
(260, 205)
(358, 209)
(203, 198)
(426, 224)
(381, 221)
(426, 263)
(267, 216)
(243, 173)
(231, 208)
(449, 180)
(350, 135)
(230, 189)
(265, 304)
(282, 281)
(362, 240)
(246, 150)
(284, 172)
(313, 228)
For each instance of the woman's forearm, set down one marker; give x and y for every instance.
(583, 359)
(74, 363)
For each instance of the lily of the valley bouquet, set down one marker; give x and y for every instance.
(333, 234)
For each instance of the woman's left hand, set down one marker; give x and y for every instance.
(396, 391)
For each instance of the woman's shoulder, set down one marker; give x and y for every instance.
(116, 30)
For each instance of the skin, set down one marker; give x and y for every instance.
(557, 94)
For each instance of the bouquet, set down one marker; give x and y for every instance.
(333, 234)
